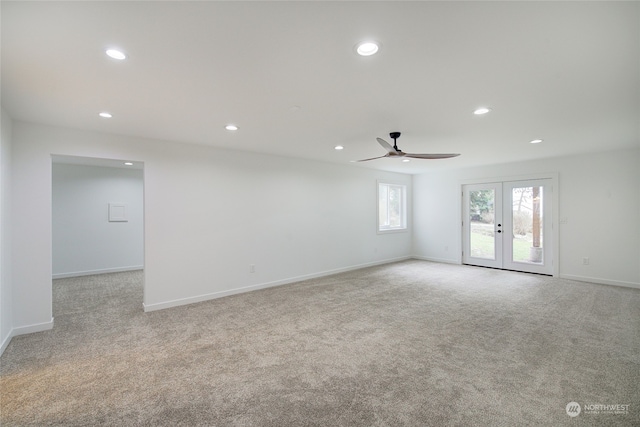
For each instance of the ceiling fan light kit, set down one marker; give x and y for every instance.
(396, 152)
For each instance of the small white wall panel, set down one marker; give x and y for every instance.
(117, 212)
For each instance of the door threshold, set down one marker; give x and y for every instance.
(506, 269)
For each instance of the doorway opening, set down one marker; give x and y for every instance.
(97, 215)
(509, 225)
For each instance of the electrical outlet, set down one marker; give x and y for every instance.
(252, 268)
(585, 261)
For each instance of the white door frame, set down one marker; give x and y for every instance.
(495, 261)
(101, 162)
(555, 229)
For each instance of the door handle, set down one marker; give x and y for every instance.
(499, 231)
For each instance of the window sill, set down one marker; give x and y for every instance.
(393, 230)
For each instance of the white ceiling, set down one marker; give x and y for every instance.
(286, 73)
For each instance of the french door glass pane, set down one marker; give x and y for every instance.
(482, 220)
(527, 224)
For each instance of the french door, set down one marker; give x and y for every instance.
(508, 225)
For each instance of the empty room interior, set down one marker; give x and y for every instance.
(320, 213)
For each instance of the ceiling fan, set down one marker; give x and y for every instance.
(396, 152)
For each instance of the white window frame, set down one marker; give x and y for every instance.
(382, 229)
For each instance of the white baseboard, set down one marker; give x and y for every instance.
(5, 342)
(100, 271)
(29, 329)
(442, 260)
(601, 281)
(22, 330)
(220, 294)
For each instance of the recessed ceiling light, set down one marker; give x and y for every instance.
(231, 127)
(105, 115)
(535, 141)
(115, 54)
(405, 160)
(128, 163)
(367, 48)
(338, 147)
(481, 110)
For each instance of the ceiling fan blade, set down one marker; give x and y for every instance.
(373, 158)
(386, 145)
(430, 156)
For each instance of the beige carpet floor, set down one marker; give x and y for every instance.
(406, 344)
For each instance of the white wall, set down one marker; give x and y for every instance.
(84, 240)
(599, 201)
(209, 214)
(6, 299)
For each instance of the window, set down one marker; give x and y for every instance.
(392, 207)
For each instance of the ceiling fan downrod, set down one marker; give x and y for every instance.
(394, 136)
